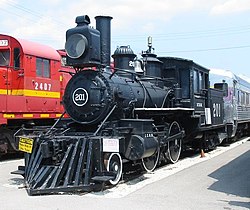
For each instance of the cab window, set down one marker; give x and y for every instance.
(42, 67)
(196, 81)
(185, 83)
(4, 57)
(201, 81)
(16, 58)
(222, 86)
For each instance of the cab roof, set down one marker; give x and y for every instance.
(39, 50)
(34, 48)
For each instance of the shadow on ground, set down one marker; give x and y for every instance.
(234, 179)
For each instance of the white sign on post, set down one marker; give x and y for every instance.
(110, 145)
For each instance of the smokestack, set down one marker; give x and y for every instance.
(104, 27)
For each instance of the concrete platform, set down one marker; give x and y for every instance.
(221, 180)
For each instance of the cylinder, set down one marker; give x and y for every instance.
(140, 147)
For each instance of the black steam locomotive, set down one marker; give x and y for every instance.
(141, 111)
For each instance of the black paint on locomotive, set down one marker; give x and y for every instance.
(83, 44)
(120, 115)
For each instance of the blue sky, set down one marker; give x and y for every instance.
(214, 33)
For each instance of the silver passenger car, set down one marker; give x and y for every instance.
(236, 99)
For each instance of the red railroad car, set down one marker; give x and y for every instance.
(31, 86)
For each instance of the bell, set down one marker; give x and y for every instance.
(137, 66)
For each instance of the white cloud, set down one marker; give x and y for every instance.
(129, 16)
(44, 31)
(140, 9)
(51, 2)
(3, 2)
(231, 6)
(142, 13)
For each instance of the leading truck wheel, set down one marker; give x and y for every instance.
(113, 164)
(174, 146)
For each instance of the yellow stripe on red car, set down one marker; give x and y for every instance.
(36, 93)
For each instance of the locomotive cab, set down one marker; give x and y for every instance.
(31, 87)
(192, 79)
(10, 67)
(30, 78)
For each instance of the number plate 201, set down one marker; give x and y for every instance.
(25, 144)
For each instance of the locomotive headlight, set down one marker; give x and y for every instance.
(76, 45)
